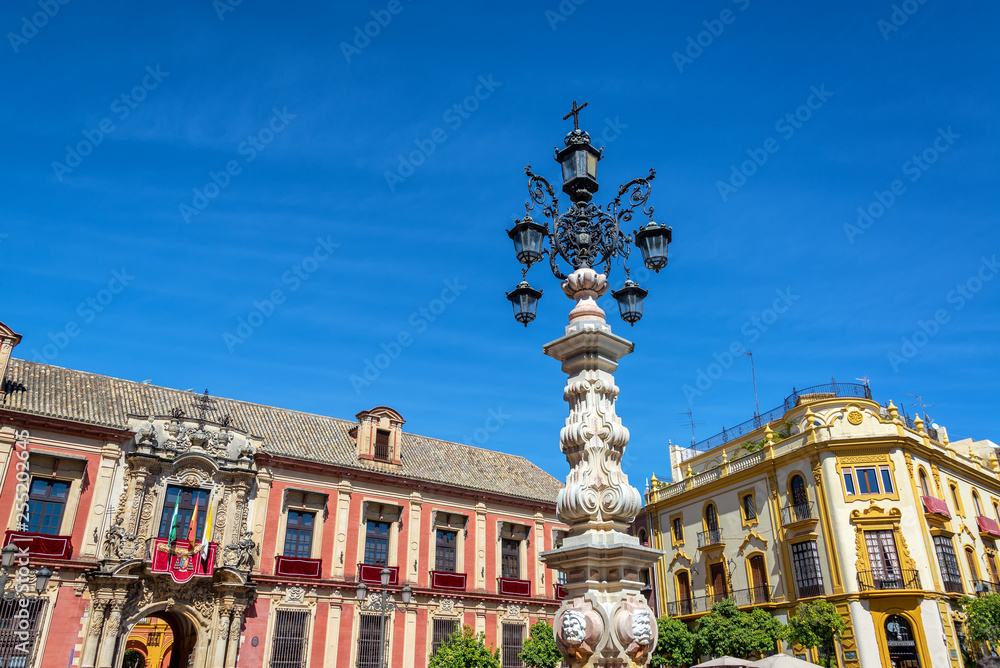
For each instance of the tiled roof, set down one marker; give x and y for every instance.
(45, 390)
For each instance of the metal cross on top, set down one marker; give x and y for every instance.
(203, 404)
(575, 113)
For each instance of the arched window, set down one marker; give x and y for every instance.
(760, 592)
(924, 487)
(749, 508)
(977, 504)
(683, 593)
(800, 496)
(970, 558)
(711, 518)
(642, 537)
(954, 497)
(902, 645)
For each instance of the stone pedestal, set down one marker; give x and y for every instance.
(604, 620)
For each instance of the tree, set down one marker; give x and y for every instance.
(727, 630)
(133, 659)
(465, 649)
(816, 624)
(675, 644)
(982, 617)
(540, 649)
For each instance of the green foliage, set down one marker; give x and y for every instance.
(675, 644)
(729, 630)
(816, 624)
(540, 649)
(465, 650)
(982, 617)
(753, 446)
(133, 659)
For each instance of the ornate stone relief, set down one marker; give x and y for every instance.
(579, 628)
(295, 595)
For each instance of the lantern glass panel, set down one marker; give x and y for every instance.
(592, 165)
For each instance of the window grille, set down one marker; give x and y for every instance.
(368, 654)
(16, 649)
(443, 629)
(382, 445)
(950, 574)
(749, 508)
(808, 576)
(288, 644)
(513, 645)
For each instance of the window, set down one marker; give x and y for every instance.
(924, 487)
(711, 518)
(47, 501)
(954, 497)
(970, 558)
(991, 561)
(298, 534)
(642, 538)
(288, 644)
(996, 510)
(883, 559)
(368, 632)
(759, 592)
(977, 504)
(849, 482)
(749, 508)
(443, 628)
(18, 634)
(949, 564)
(377, 543)
(683, 593)
(185, 507)
(886, 479)
(678, 529)
(513, 644)
(867, 481)
(382, 445)
(808, 576)
(510, 558)
(799, 494)
(444, 551)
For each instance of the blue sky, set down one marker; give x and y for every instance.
(170, 168)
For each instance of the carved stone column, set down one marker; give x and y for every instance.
(222, 637)
(94, 633)
(604, 620)
(235, 626)
(112, 627)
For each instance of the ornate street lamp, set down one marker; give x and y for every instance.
(7, 556)
(585, 235)
(605, 618)
(382, 605)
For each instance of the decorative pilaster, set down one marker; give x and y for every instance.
(95, 630)
(222, 637)
(235, 627)
(109, 639)
(604, 620)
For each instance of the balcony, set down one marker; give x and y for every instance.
(40, 545)
(372, 574)
(448, 580)
(753, 596)
(711, 539)
(558, 591)
(808, 591)
(513, 587)
(953, 586)
(298, 567)
(987, 587)
(879, 580)
(798, 512)
(988, 527)
(935, 506)
(696, 605)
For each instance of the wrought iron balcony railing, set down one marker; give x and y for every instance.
(875, 580)
(808, 591)
(696, 605)
(753, 596)
(797, 512)
(987, 587)
(710, 537)
(953, 586)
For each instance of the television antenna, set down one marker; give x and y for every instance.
(691, 422)
(920, 402)
(753, 375)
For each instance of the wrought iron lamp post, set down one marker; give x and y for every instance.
(604, 619)
(7, 556)
(383, 606)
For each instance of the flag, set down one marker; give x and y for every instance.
(206, 535)
(172, 538)
(192, 531)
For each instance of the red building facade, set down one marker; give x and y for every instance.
(247, 528)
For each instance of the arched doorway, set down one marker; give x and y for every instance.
(901, 642)
(166, 639)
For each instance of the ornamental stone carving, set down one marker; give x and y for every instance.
(634, 626)
(579, 628)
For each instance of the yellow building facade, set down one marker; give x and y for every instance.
(834, 496)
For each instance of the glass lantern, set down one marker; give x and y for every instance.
(629, 300)
(528, 237)
(524, 299)
(652, 241)
(579, 166)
